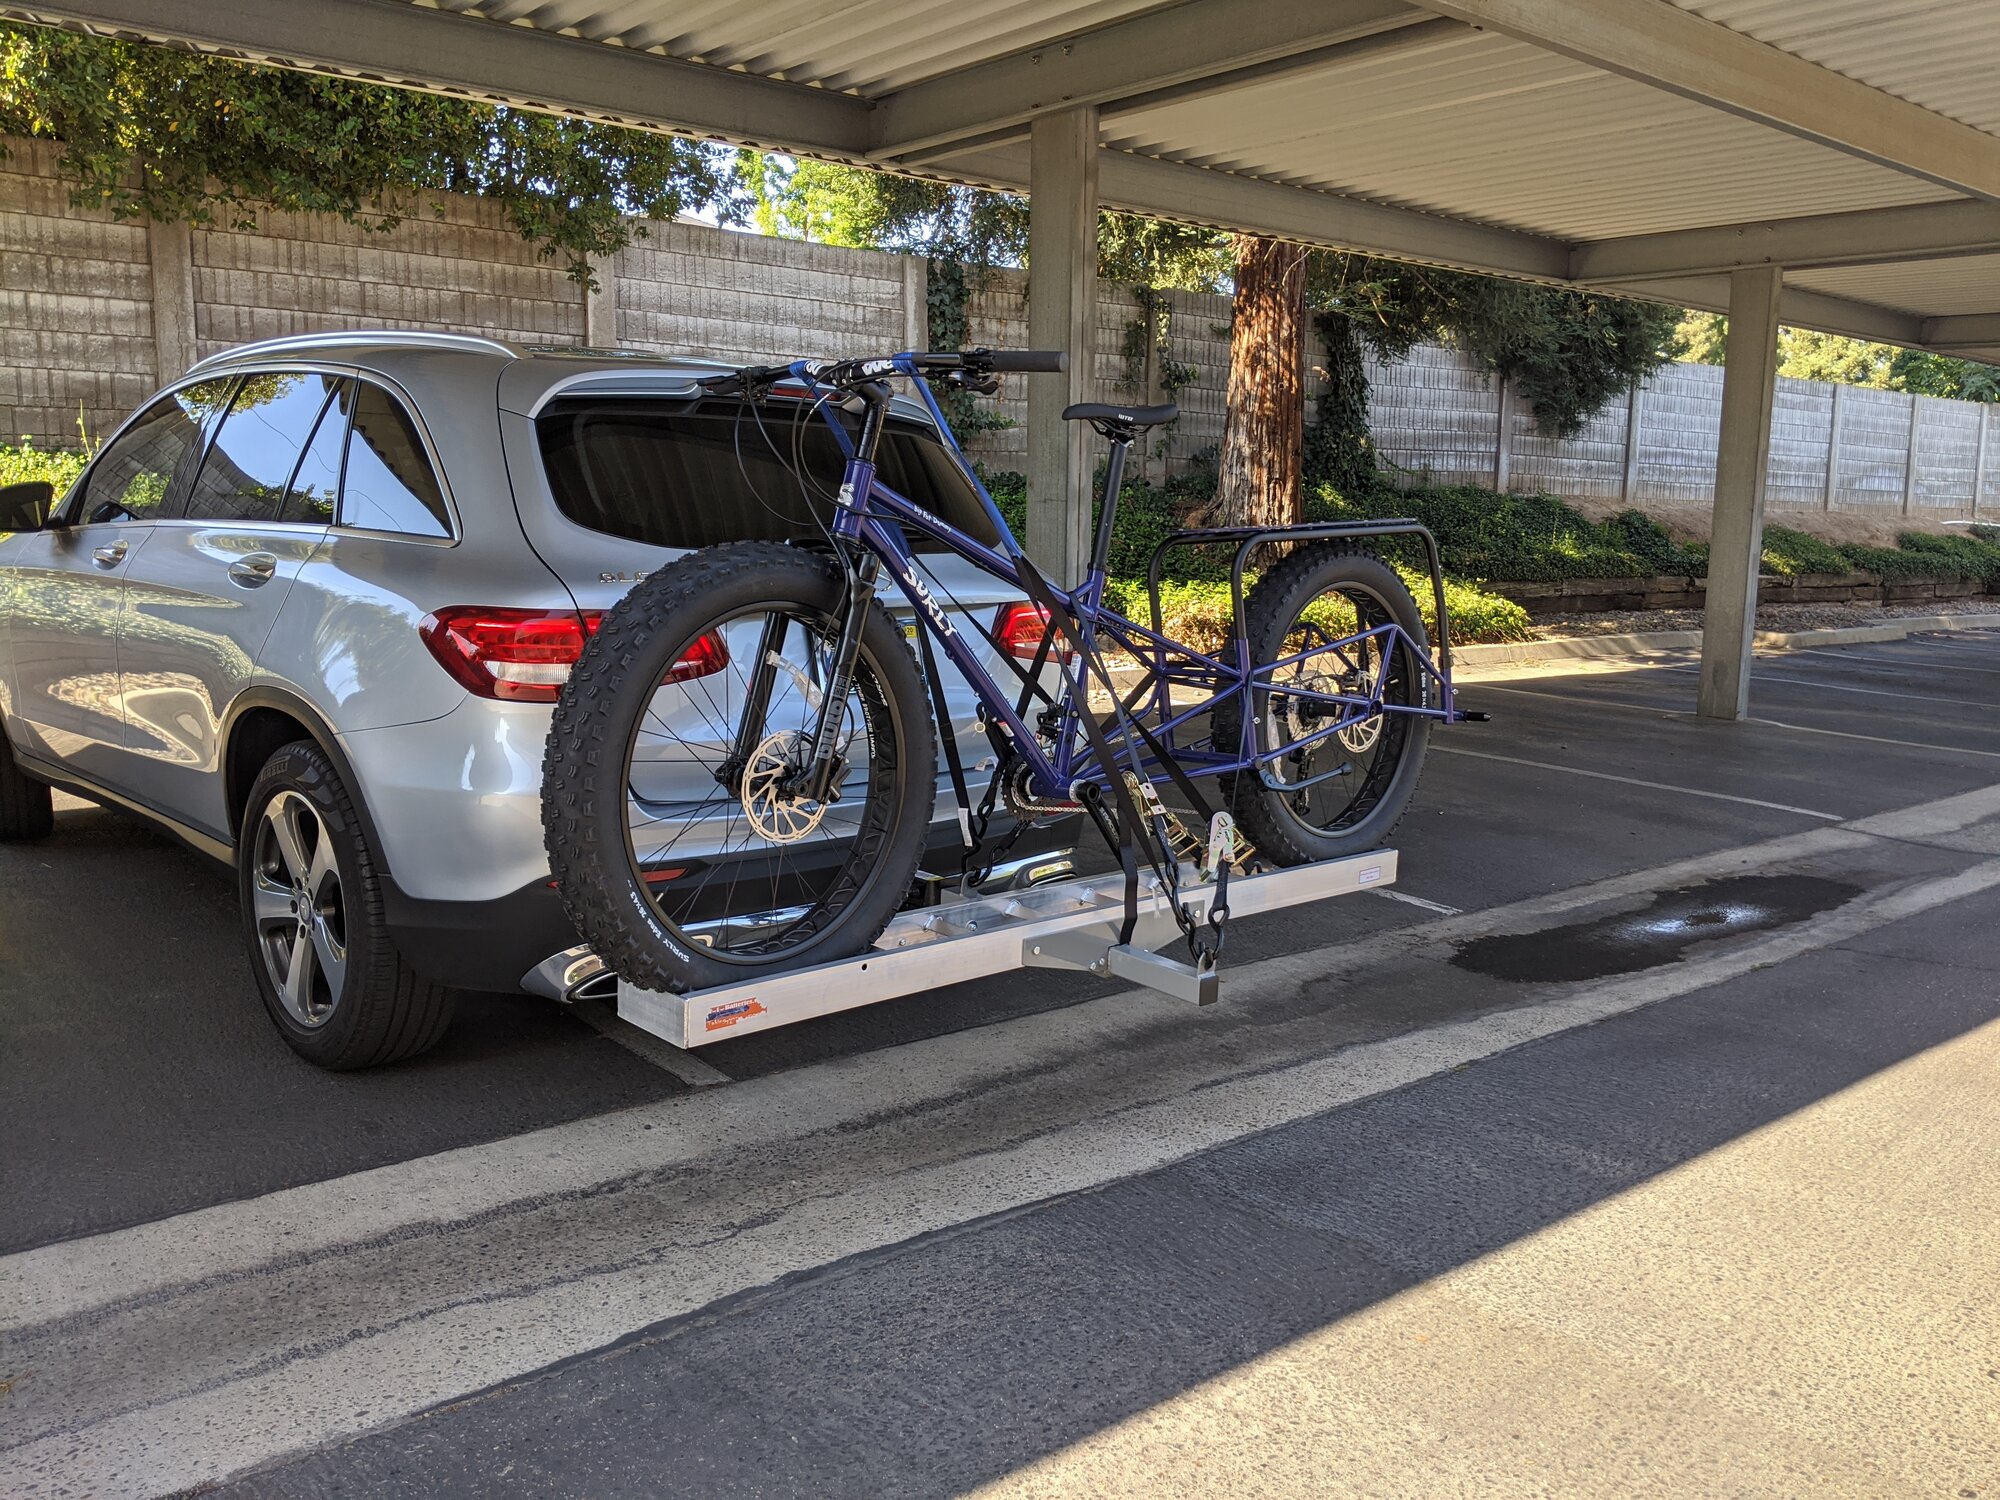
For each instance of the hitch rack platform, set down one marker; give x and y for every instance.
(1068, 924)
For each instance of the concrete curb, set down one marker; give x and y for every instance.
(1598, 647)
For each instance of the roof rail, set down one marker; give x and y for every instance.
(308, 343)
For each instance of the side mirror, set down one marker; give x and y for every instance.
(26, 506)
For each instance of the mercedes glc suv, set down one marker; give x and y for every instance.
(308, 610)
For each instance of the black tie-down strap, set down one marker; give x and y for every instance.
(948, 739)
(1159, 854)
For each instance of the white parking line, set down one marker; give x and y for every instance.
(1835, 687)
(1658, 786)
(689, 1069)
(1389, 893)
(1893, 661)
(1873, 739)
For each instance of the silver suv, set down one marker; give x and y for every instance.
(308, 609)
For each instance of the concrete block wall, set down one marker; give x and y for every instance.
(76, 321)
(690, 288)
(1876, 454)
(96, 314)
(457, 266)
(997, 316)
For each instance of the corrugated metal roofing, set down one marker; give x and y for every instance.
(1461, 124)
(1942, 54)
(1477, 126)
(1931, 288)
(870, 47)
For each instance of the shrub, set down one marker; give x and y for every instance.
(1790, 553)
(24, 462)
(1198, 611)
(1972, 556)
(1519, 538)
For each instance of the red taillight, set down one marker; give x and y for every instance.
(1019, 629)
(524, 655)
(708, 654)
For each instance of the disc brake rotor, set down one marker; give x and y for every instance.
(1358, 737)
(778, 818)
(1297, 718)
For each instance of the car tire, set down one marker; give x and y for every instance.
(27, 807)
(321, 952)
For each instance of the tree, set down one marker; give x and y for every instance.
(1257, 477)
(1565, 353)
(148, 131)
(1805, 354)
(1927, 374)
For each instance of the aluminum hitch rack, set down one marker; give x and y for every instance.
(1069, 924)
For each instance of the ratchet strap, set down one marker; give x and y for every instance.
(954, 764)
(1038, 589)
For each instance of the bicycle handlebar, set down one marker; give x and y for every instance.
(976, 363)
(1027, 361)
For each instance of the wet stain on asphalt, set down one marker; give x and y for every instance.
(1659, 934)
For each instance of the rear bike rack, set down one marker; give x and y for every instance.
(1069, 924)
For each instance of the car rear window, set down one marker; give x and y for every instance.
(681, 474)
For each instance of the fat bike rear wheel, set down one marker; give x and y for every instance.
(1343, 789)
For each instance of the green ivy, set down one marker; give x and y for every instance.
(947, 296)
(167, 134)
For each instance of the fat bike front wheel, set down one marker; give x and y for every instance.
(681, 840)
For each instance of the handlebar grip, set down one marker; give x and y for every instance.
(1028, 361)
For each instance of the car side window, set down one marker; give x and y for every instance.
(315, 487)
(388, 484)
(133, 478)
(258, 447)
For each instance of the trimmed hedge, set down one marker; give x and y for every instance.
(1521, 538)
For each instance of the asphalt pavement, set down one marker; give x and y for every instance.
(1640, 1140)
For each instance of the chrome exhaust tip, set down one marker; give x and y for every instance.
(569, 976)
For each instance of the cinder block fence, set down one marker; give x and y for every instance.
(95, 314)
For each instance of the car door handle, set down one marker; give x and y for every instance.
(254, 571)
(110, 555)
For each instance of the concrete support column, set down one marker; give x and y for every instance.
(916, 302)
(1743, 456)
(170, 252)
(1062, 314)
(600, 304)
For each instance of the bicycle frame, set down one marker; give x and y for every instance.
(870, 517)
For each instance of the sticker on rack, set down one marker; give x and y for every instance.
(722, 1017)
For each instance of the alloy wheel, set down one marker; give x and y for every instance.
(300, 910)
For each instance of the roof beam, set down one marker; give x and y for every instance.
(1199, 195)
(1676, 50)
(394, 42)
(1797, 308)
(1927, 231)
(1182, 47)
(1962, 331)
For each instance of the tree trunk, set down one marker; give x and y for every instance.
(1262, 437)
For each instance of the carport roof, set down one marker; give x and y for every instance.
(1636, 145)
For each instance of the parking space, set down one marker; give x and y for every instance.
(545, 1258)
(143, 1079)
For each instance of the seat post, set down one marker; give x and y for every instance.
(1107, 515)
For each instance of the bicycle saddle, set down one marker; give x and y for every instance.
(1121, 416)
